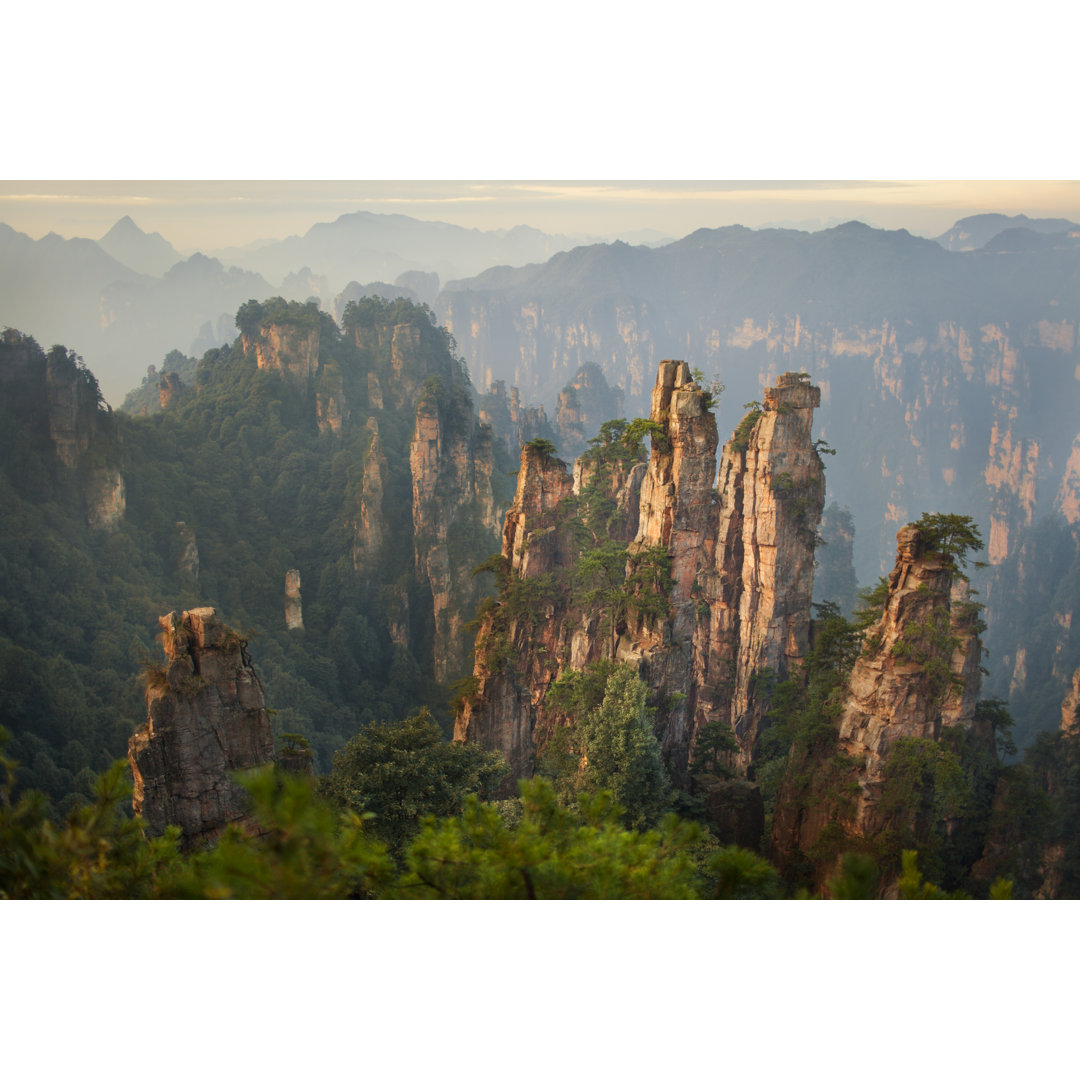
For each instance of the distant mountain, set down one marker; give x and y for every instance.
(51, 288)
(146, 253)
(73, 290)
(1021, 239)
(142, 320)
(364, 246)
(972, 233)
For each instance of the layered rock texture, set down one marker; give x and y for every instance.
(918, 674)
(771, 494)
(712, 586)
(206, 720)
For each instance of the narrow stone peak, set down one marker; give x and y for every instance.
(727, 617)
(919, 669)
(206, 720)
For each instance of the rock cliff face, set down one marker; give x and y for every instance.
(105, 499)
(369, 528)
(289, 349)
(1070, 707)
(919, 670)
(759, 586)
(510, 421)
(453, 513)
(205, 720)
(741, 574)
(917, 674)
(298, 352)
(85, 437)
(294, 608)
(171, 389)
(516, 651)
(72, 410)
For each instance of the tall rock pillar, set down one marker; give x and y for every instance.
(754, 600)
(206, 719)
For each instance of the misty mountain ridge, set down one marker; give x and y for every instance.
(380, 247)
(975, 232)
(146, 253)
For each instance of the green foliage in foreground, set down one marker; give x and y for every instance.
(554, 853)
(400, 773)
(308, 850)
(533, 847)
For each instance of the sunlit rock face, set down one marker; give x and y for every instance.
(919, 669)
(291, 350)
(918, 673)
(505, 709)
(741, 558)
(206, 720)
(755, 594)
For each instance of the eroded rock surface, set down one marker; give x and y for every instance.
(741, 562)
(206, 719)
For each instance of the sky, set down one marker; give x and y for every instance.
(586, 116)
(209, 215)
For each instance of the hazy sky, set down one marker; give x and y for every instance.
(725, 93)
(214, 214)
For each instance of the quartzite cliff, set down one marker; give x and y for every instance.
(707, 583)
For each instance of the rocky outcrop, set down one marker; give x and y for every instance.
(83, 431)
(331, 406)
(369, 526)
(585, 402)
(294, 608)
(72, 408)
(918, 673)
(517, 651)
(292, 350)
(106, 499)
(453, 511)
(737, 600)
(510, 421)
(206, 720)
(171, 389)
(758, 588)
